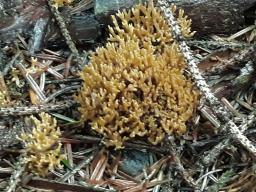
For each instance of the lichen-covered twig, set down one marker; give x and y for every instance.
(33, 109)
(178, 164)
(63, 28)
(222, 113)
(211, 44)
(16, 175)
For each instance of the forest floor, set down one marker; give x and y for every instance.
(38, 77)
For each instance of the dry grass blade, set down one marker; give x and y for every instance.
(155, 167)
(120, 184)
(50, 57)
(230, 107)
(42, 81)
(67, 67)
(51, 70)
(210, 117)
(98, 166)
(240, 33)
(77, 168)
(59, 92)
(244, 104)
(68, 149)
(31, 81)
(81, 6)
(123, 175)
(140, 187)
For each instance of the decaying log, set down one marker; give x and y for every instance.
(209, 17)
(22, 17)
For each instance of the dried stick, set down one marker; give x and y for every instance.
(222, 113)
(11, 63)
(82, 186)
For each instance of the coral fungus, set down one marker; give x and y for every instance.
(4, 96)
(132, 87)
(43, 145)
(60, 3)
(4, 101)
(145, 23)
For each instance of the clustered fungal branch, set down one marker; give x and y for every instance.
(222, 113)
(4, 96)
(135, 86)
(146, 25)
(60, 3)
(43, 145)
(4, 100)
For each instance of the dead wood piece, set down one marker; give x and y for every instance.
(209, 17)
(244, 56)
(55, 185)
(83, 29)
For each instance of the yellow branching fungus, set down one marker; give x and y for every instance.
(43, 145)
(60, 3)
(145, 23)
(183, 21)
(131, 87)
(4, 96)
(4, 101)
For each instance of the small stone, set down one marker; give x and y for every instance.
(134, 161)
(104, 8)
